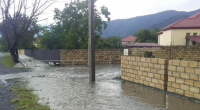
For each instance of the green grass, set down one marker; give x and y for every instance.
(7, 61)
(26, 100)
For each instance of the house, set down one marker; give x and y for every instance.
(128, 39)
(182, 32)
(142, 45)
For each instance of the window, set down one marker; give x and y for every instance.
(187, 41)
(187, 34)
(193, 43)
(194, 34)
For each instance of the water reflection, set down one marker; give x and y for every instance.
(68, 88)
(159, 99)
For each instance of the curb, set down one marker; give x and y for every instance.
(22, 63)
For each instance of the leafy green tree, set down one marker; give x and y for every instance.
(29, 41)
(154, 35)
(112, 42)
(71, 29)
(145, 35)
(50, 39)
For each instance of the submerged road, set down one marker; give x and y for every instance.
(69, 88)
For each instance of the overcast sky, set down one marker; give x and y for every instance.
(122, 9)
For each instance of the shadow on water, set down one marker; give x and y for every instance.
(159, 99)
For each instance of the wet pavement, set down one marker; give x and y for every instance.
(68, 88)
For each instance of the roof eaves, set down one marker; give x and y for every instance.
(192, 39)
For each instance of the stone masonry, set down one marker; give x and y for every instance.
(188, 53)
(176, 76)
(183, 78)
(80, 56)
(147, 71)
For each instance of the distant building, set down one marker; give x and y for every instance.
(128, 40)
(183, 32)
(142, 45)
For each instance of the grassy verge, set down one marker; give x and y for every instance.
(7, 61)
(26, 100)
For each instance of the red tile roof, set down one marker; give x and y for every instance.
(160, 32)
(143, 45)
(192, 22)
(194, 38)
(129, 38)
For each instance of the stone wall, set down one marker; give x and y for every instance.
(80, 56)
(148, 71)
(176, 76)
(188, 53)
(21, 51)
(183, 78)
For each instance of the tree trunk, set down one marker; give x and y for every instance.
(14, 55)
(16, 51)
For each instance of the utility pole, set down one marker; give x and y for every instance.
(88, 52)
(91, 51)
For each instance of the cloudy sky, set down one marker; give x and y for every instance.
(122, 9)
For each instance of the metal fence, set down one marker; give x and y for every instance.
(45, 55)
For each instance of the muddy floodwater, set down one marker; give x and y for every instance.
(68, 88)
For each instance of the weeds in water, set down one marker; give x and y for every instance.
(26, 100)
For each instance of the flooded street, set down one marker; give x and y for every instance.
(68, 88)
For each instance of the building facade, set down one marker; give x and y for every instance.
(183, 32)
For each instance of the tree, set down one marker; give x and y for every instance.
(154, 35)
(17, 17)
(3, 46)
(71, 29)
(112, 42)
(145, 35)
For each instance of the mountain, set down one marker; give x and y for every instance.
(126, 27)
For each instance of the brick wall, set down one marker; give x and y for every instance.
(183, 78)
(80, 56)
(188, 53)
(148, 71)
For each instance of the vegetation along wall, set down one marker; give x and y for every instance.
(183, 78)
(188, 53)
(148, 71)
(80, 56)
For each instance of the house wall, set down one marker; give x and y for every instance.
(126, 42)
(80, 56)
(178, 35)
(175, 36)
(159, 39)
(165, 38)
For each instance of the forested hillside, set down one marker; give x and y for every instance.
(125, 27)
